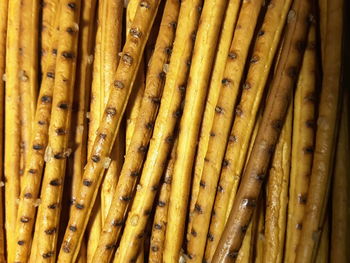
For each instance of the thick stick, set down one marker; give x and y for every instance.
(28, 72)
(340, 241)
(108, 128)
(302, 147)
(277, 194)
(3, 30)
(224, 113)
(161, 214)
(163, 135)
(269, 131)
(213, 95)
(12, 126)
(325, 135)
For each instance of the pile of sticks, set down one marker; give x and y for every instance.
(174, 131)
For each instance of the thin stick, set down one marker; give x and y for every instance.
(323, 250)
(57, 150)
(163, 134)
(12, 126)
(277, 194)
(325, 135)
(244, 255)
(302, 147)
(196, 91)
(161, 213)
(28, 72)
(141, 138)
(340, 241)
(3, 30)
(219, 133)
(213, 95)
(108, 128)
(269, 131)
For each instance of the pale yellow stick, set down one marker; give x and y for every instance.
(12, 126)
(108, 128)
(277, 195)
(57, 150)
(303, 145)
(161, 214)
(219, 133)
(163, 134)
(3, 29)
(326, 134)
(340, 231)
(28, 72)
(213, 95)
(135, 156)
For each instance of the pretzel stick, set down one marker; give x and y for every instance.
(277, 195)
(12, 152)
(3, 29)
(269, 131)
(108, 128)
(28, 72)
(325, 135)
(225, 39)
(302, 146)
(221, 126)
(340, 238)
(142, 135)
(168, 115)
(161, 214)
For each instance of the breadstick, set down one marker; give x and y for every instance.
(302, 147)
(269, 131)
(244, 255)
(12, 126)
(196, 91)
(259, 224)
(163, 134)
(325, 135)
(213, 95)
(57, 150)
(340, 241)
(3, 29)
(220, 128)
(161, 214)
(144, 126)
(323, 9)
(108, 128)
(277, 195)
(28, 72)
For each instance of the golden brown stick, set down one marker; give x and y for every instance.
(303, 144)
(28, 72)
(144, 126)
(108, 128)
(264, 51)
(169, 113)
(259, 228)
(323, 9)
(323, 250)
(244, 255)
(47, 31)
(213, 95)
(58, 149)
(12, 126)
(161, 213)
(325, 135)
(3, 29)
(196, 91)
(277, 194)
(269, 131)
(220, 128)
(340, 241)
